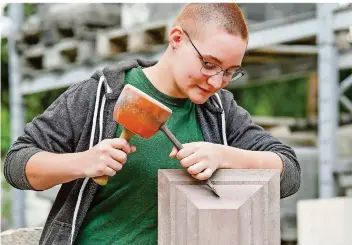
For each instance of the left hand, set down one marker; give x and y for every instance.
(200, 158)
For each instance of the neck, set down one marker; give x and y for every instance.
(161, 77)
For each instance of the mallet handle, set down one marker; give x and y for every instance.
(103, 180)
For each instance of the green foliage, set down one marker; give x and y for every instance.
(348, 93)
(6, 207)
(6, 201)
(286, 97)
(36, 104)
(4, 72)
(29, 9)
(5, 120)
(5, 129)
(4, 52)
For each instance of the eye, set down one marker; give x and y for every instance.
(209, 65)
(228, 74)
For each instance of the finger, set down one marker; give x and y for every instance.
(185, 152)
(119, 143)
(109, 171)
(118, 155)
(173, 152)
(116, 166)
(103, 169)
(133, 148)
(206, 174)
(197, 168)
(189, 160)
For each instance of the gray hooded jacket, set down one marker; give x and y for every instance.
(82, 116)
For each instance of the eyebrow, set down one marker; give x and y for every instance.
(218, 61)
(213, 58)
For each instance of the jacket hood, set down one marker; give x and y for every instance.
(116, 73)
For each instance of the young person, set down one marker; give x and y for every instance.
(76, 138)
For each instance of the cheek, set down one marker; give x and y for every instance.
(195, 77)
(190, 69)
(187, 77)
(224, 84)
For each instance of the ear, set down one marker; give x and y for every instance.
(175, 37)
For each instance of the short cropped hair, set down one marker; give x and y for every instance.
(228, 16)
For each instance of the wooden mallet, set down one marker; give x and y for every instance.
(140, 114)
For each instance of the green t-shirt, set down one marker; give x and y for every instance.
(125, 210)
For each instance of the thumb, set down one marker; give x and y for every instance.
(173, 152)
(133, 148)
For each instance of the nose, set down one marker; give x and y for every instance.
(216, 81)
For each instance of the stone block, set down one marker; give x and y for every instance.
(86, 52)
(348, 192)
(247, 211)
(345, 180)
(110, 43)
(76, 20)
(53, 59)
(68, 51)
(30, 30)
(33, 57)
(95, 14)
(136, 14)
(325, 221)
(344, 166)
(29, 73)
(49, 35)
(344, 141)
(147, 36)
(24, 236)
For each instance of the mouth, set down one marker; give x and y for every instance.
(204, 90)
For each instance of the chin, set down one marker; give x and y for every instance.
(198, 99)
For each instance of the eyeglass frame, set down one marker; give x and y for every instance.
(238, 70)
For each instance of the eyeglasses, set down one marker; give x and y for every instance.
(211, 69)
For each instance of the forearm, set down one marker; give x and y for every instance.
(45, 170)
(239, 158)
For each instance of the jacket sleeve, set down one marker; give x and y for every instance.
(52, 131)
(243, 133)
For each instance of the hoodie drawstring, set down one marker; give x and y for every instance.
(223, 122)
(97, 99)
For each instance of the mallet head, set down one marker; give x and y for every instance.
(140, 113)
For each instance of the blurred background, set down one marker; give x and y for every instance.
(298, 82)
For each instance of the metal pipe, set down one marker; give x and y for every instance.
(16, 13)
(328, 98)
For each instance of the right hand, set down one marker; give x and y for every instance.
(105, 158)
